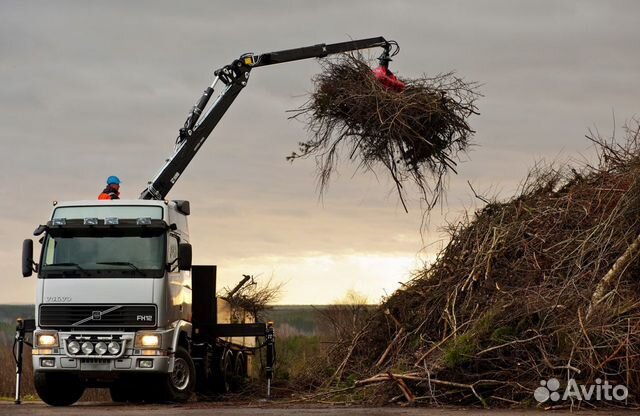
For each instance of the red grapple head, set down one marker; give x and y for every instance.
(387, 79)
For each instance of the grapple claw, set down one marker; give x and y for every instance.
(388, 79)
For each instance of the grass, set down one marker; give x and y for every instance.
(459, 351)
(296, 355)
(8, 373)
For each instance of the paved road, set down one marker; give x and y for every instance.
(202, 409)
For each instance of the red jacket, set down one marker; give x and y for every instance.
(109, 193)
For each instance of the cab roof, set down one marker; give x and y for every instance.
(89, 202)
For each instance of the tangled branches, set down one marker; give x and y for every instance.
(543, 285)
(414, 134)
(253, 297)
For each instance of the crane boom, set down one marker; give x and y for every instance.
(235, 77)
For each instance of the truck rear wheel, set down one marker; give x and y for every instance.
(239, 373)
(225, 372)
(58, 389)
(179, 385)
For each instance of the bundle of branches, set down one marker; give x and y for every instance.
(253, 297)
(414, 134)
(544, 285)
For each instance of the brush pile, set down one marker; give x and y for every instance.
(252, 297)
(414, 134)
(545, 285)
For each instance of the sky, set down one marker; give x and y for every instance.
(90, 89)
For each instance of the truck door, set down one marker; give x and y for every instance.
(179, 292)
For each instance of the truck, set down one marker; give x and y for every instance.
(119, 303)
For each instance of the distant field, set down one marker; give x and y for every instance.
(8, 316)
(8, 313)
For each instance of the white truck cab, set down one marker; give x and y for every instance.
(114, 306)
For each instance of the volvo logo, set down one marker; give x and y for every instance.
(97, 315)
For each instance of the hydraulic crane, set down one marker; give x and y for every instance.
(235, 76)
(120, 304)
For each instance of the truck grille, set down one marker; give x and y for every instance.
(97, 316)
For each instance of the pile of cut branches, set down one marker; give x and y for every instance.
(253, 297)
(544, 285)
(414, 134)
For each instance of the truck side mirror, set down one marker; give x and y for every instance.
(27, 257)
(184, 256)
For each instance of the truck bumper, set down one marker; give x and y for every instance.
(128, 360)
(139, 364)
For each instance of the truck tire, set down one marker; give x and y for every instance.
(239, 373)
(180, 384)
(225, 372)
(58, 389)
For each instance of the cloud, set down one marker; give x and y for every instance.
(100, 88)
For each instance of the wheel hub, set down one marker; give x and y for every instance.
(180, 377)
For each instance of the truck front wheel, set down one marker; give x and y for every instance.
(179, 385)
(58, 389)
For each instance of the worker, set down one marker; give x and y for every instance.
(112, 191)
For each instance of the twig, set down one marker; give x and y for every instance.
(393, 342)
(616, 270)
(517, 341)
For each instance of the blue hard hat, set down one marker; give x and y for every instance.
(113, 180)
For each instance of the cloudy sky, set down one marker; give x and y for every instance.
(90, 89)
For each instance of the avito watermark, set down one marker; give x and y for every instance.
(550, 390)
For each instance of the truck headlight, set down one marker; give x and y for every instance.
(101, 348)
(113, 347)
(87, 347)
(73, 347)
(147, 341)
(47, 339)
(47, 362)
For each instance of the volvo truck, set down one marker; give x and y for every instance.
(119, 305)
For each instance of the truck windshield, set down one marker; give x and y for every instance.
(104, 256)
